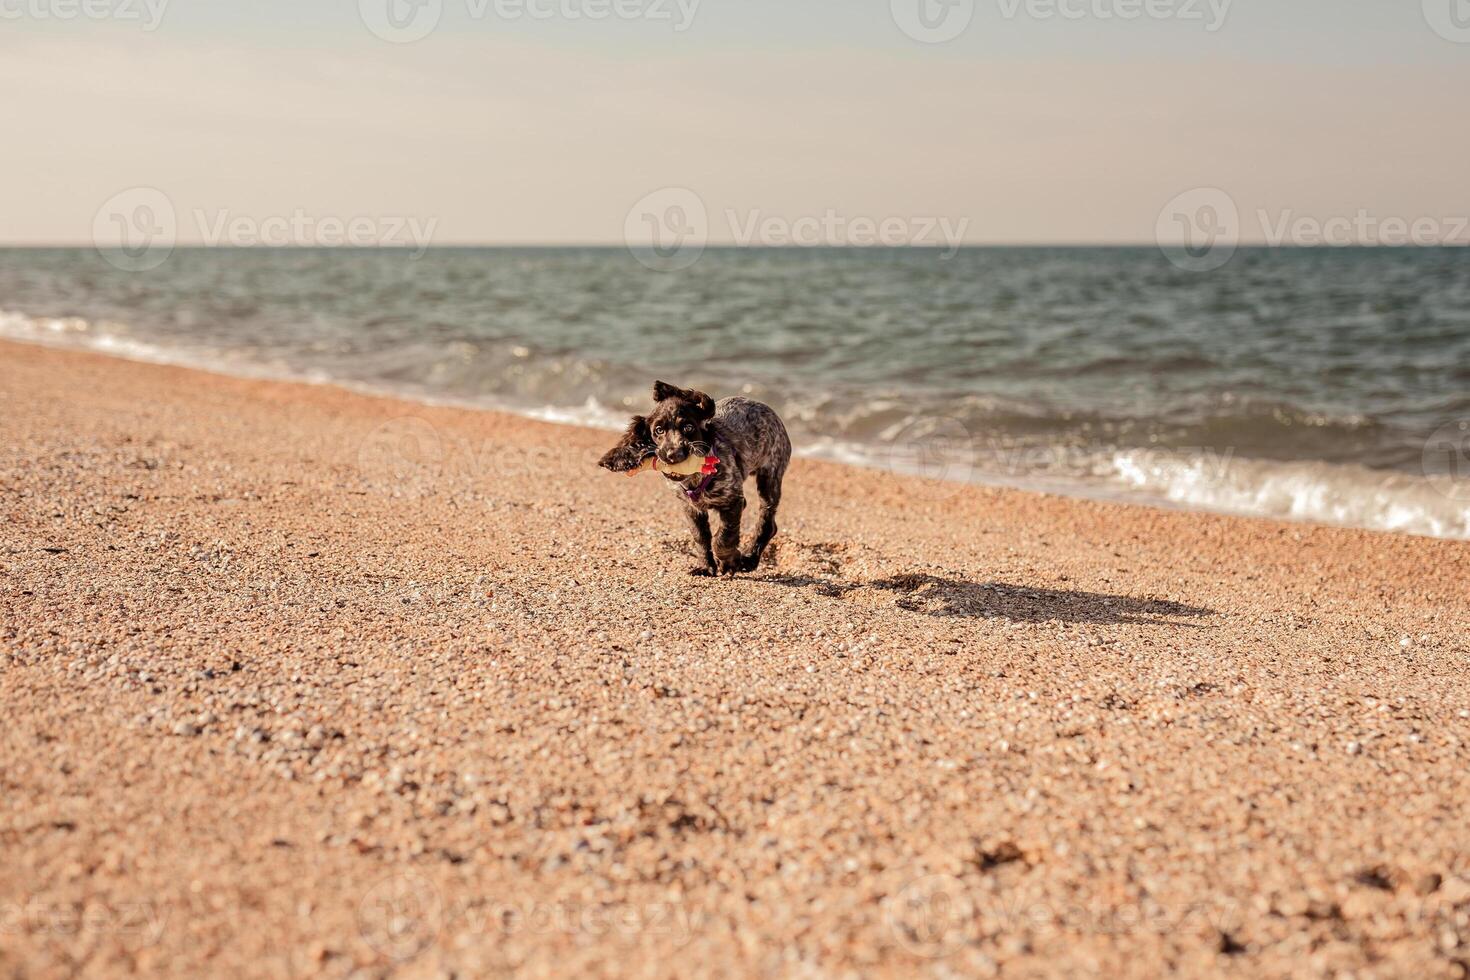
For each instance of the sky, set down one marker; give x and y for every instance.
(756, 121)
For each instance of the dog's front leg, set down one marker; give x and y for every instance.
(699, 519)
(727, 547)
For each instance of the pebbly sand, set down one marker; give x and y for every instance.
(299, 681)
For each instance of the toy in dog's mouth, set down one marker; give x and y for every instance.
(692, 466)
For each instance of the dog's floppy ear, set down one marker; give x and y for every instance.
(636, 444)
(704, 404)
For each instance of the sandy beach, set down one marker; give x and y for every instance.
(300, 681)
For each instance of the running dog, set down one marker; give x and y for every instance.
(748, 438)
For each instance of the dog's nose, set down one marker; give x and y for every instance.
(675, 456)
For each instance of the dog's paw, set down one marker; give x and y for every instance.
(728, 566)
(749, 563)
(702, 571)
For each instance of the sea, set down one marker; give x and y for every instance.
(1328, 385)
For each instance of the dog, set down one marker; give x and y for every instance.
(749, 439)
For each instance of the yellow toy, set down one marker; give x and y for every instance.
(690, 467)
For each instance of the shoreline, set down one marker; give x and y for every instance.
(304, 680)
(1175, 474)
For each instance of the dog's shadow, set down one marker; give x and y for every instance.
(932, 595)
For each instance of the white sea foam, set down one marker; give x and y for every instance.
(1305, 491)
(111, 337)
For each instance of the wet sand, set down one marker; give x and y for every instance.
(300, 681)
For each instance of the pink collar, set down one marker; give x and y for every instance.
(696, 494)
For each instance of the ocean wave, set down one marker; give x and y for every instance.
(104, 336)
(973, 439)
(1327, 493)
(1217, 481)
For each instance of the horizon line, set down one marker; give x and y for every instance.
(727, 246)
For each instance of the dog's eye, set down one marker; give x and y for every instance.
(689, 430)
(658, 430)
